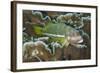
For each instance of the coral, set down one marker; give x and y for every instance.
(38, 50)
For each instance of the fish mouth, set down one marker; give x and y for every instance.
(76, 39)
(80, 41)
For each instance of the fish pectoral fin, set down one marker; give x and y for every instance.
(66, 43)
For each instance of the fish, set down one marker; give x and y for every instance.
(63, 34)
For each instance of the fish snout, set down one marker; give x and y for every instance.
(75, 39)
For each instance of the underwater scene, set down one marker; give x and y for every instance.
(56, 36)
